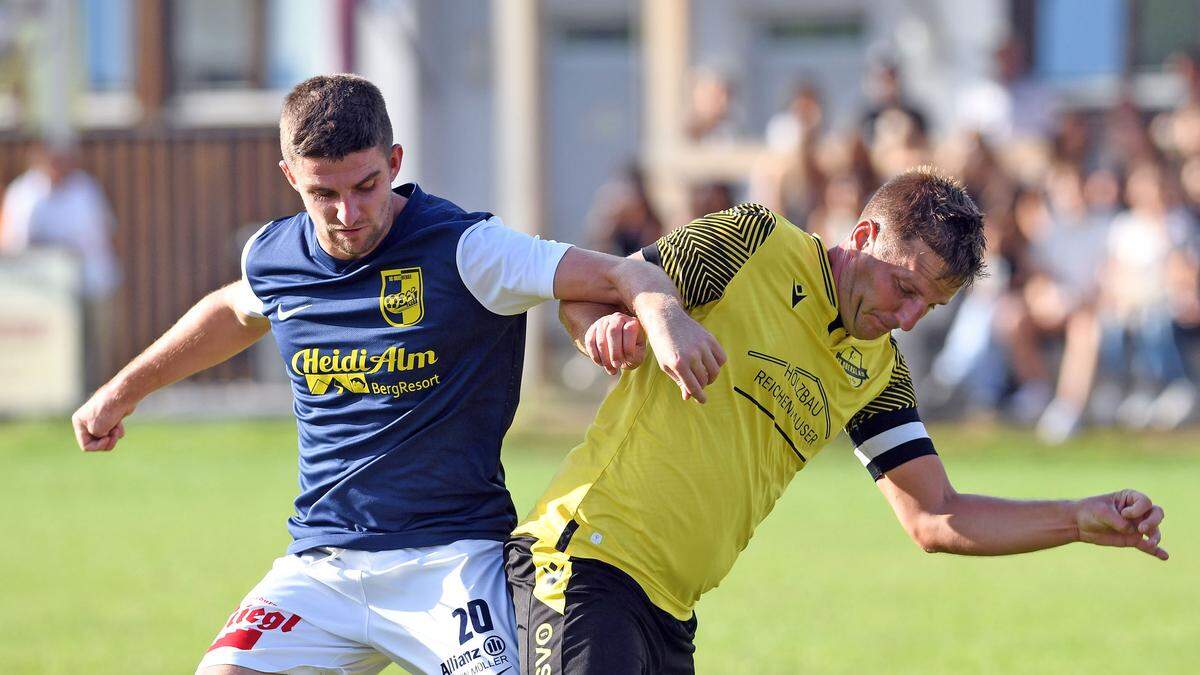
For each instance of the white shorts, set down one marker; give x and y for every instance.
(443, 610)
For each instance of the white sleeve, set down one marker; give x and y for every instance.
(245, 300)
(507, 271)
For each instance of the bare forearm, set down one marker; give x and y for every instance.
(649, 292)
(981, 525)
(616, 284)
(209, 333)
(634, 286)
(577, 317)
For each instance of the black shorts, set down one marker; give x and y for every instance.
(608, 626)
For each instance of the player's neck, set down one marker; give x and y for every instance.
(837, 262)
(840, 259)
(399, 201)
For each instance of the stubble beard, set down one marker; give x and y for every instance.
(377, 230)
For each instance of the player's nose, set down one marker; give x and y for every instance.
(348, 212)
(910, 313)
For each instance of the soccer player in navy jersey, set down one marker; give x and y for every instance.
(400, 318)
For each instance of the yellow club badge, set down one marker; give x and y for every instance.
(401, 299)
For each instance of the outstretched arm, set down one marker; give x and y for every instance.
(941, 520)
(212, 331)
(601, 284)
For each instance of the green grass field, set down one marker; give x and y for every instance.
(129, 562)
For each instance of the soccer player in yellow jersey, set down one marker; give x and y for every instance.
(652, 509)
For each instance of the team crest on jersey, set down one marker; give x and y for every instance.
(851, 360)
(401, 299)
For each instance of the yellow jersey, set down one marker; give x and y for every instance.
(670, 491)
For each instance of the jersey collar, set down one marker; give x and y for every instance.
(835, 329)
(400, 225)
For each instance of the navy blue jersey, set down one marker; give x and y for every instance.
(404, 382)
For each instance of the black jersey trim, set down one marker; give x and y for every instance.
(897, 395)
(901, 454)
(871, 426)
(565, 538)
(652, 255)
(826, 271)
(768, 413)
(703, 257)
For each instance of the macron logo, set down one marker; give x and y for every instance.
(797, 293)
(285, 314)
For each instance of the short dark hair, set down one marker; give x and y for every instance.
(923, 203)
(331, 116)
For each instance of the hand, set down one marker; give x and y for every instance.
(1125, 518)
(615, 341)
(687, 352)
(98, 423)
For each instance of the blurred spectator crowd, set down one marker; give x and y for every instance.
(1091, 309)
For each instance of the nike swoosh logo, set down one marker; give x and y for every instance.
(285, 314)
(502, 672)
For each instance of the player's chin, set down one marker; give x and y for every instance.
(866, 331)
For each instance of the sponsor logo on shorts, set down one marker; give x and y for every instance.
(257, 620)
(476, 660)
(542, 636)
(493, 646)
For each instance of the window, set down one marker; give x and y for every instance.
(263, 44)
(214, 44)
(264, 48)
(1079, 38)
(1160, 28)
(107, 44)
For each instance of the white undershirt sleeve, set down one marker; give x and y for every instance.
(507, 271)
(245, 301)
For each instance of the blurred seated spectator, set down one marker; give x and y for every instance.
(885, 96)
(622, 219)
(799, 188)
(799, 123)
(840, 206)
(710, 109)
(711, 197)
(1149, 278)
(1059, 298)
(1127, 141)
(56, 204)
(1011, 106)
(898, 144)
(969, 374)
(1071, 142)
(1178, 130)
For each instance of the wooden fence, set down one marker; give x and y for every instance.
(184, 201)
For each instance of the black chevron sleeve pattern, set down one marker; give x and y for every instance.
(899, 394)
(703, 256)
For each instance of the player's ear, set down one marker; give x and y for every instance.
(864, 234)
(395, 159)
(287, 172)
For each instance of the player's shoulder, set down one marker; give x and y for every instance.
(741, 228)
(274, 238)
(432, 211)
(746, 214)
(277, 230)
